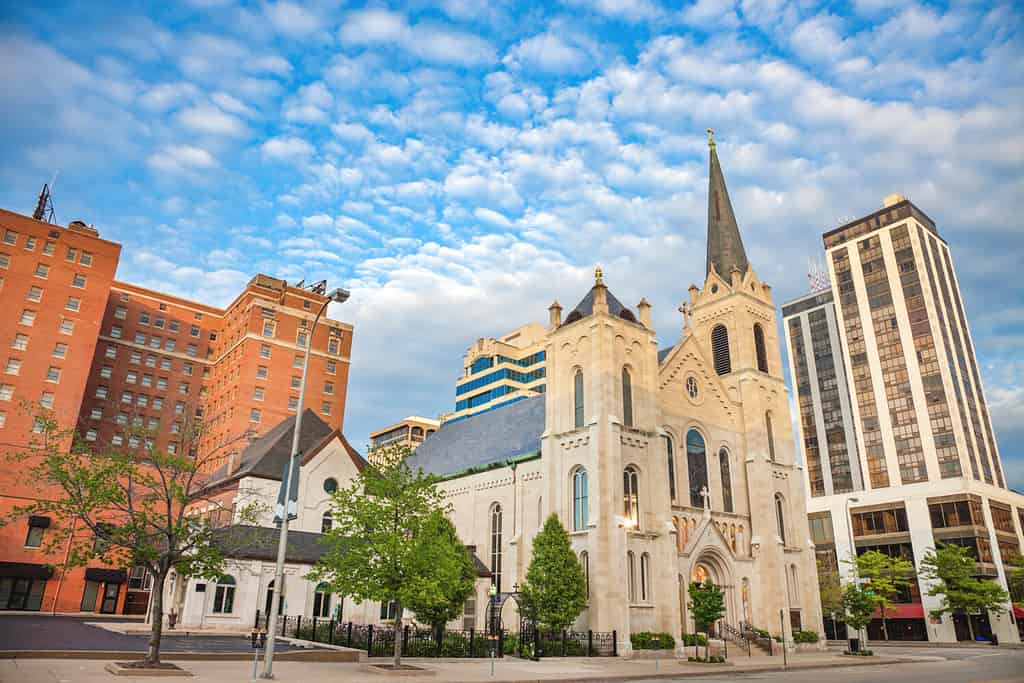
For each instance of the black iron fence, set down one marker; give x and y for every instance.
(379, 641)
(535, 643)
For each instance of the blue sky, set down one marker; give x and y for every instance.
(460, 164)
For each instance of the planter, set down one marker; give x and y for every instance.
(138, 669)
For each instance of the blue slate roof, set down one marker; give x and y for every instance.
(663, 354)
(483, 439)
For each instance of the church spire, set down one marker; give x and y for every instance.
(725, 246)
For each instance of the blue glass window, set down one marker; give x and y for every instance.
(579, 499)
(697, 466)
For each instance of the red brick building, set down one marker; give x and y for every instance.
(104, 355)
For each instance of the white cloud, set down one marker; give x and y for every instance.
(719, 14)
(181, 159)
(287, 148)
(436, 43)
(318, 222)
(552, 53)
(210, 120)
(164, 96)
(291, 19)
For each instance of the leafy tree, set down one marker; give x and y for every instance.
(858, 606)
(372, 550)
(445, 571)
(707, 604)
(555, 590)
(1015, 579)
(952, 570)
(131, 507)
(830, 590)
(884, 577)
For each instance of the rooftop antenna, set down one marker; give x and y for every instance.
(44, 205)
(817, 275)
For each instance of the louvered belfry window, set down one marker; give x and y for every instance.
(720, 349)
(759, 348)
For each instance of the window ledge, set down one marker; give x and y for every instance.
(641, 605)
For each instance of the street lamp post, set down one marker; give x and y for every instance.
(339, 296)
(853, 551)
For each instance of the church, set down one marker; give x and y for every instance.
(665, 465)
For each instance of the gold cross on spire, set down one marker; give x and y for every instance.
(598, 276)
(711, 138)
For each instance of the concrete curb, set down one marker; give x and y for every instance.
(310, 655)
(711, 671)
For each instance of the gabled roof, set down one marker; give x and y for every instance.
(484, 439)
(586, 306)
(266, 456)
(663, 354)
(725, 246)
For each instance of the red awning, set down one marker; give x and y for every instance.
(902, 612)
(1018, 611)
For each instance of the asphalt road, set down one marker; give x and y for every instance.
(35, 632)
(959, 665)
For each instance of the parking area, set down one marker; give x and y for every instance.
(46, 633)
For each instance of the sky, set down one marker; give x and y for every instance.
(460, 164)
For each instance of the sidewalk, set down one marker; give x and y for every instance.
(143, 629)
(507, 670)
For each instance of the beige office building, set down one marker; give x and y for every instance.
(896, 434)
(410, 432)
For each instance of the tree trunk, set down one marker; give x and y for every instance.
(156, 628)
(398, 634)
(885, 631)
(970, 626)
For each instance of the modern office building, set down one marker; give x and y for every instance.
(410, 432)
(896, 434)
(107, 358)
(499, 371)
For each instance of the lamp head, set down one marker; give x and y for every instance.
(338, 295)
(493, 590)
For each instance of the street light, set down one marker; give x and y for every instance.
(853, 548)
(340, 296)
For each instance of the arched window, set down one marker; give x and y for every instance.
(627, 398)
(720, 349)
(762, 355)
(631, 568)
(780, 517)
(496, 545)
(670, 454)
(224, 595)
(322, 600)
(645, 577)
(696, 466)
(577, 399)
(771, 436)
(726, 476)
(631, 495)
(326, 522)
(579, 499)
(585, 563)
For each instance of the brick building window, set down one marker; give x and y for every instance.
(67, 326)
(120, 312)
(86, 259)
(53, 374)
(20, 342)
(78, 280)
(35, 294)
(13, 366)
(254, 415)
(73, 304)
(28, 317)
(60, 350)
(116, 331)
(46, 400)
(6, 392)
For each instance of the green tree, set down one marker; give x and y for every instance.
(444, 570)
(707, 605)
(858, 606)
(1015, 579)
(830, 590)
(130, 508)
(555, 590)
(952, 569)
(372, 551)
(884, 577)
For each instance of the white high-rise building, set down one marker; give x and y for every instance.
(896, 434)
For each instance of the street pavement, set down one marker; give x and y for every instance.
(39, 632)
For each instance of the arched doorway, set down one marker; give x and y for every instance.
(711, 565)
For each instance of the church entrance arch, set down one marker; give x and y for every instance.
(709, 565)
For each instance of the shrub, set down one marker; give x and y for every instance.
(713, 659)
(692, 639)
(805, 637)
(645, 640)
